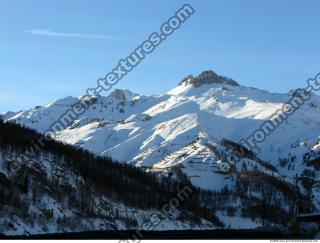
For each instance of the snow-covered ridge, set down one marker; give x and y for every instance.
(145, 130)
(123, 95)
(189, 130)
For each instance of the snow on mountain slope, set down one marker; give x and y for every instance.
(119, 105)
(7, 115)
(53, 193)
(145, 130)
(42, 210)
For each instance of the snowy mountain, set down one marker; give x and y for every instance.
(55, 191)
(191, 129)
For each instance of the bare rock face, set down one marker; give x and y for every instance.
(120, 94)
(208, 77)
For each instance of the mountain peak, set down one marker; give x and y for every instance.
(7, 115)
(208, 77)
(121, 94)
(65, 101)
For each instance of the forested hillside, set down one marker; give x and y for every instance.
(46, 192)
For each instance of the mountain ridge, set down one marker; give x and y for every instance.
(193, 128)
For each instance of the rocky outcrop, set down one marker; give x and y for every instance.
(208, 77)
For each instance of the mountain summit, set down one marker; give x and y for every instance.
(120, 94)
(208, 77)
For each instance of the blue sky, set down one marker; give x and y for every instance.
(268, 44)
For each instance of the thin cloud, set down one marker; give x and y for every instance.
(44, 32)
